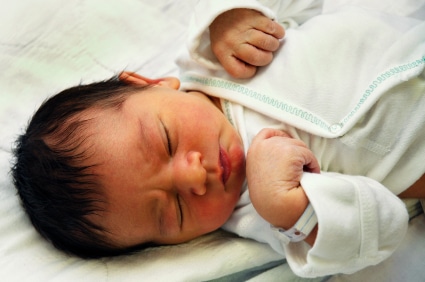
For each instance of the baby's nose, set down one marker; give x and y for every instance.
(192, 175)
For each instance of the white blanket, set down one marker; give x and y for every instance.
(49, 45)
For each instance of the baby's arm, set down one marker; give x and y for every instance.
(416, 191)
(349, 208)
(244, 39)
(275, 165)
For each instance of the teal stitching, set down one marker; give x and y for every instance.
(381, 78)
(228, 112)
(278, 104)
(281, 105)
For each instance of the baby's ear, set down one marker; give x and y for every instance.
(134, 78)
(171, 82)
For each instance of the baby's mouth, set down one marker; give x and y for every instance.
(225, 165)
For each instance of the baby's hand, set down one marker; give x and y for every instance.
(275, 163)
(244, 39)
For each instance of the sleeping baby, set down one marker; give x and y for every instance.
(302, 143)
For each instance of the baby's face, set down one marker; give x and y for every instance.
(172, 166)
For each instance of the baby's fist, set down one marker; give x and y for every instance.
(275, 164)
(244, 39)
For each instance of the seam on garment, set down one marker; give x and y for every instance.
(281, 105)
(390, 73)
(367, 226)
(367, 144)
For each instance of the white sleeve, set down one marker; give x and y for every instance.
(360, 222)
(292, 13)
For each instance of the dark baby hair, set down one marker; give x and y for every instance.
(57, 187)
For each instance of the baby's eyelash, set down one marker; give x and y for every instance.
(167, 137)
(168, 140)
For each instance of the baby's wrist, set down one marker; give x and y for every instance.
(304, 229)
(286, 208)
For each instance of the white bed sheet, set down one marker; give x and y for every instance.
(49, 45)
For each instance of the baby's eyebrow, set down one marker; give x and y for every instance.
(152, 135)
(146, 139)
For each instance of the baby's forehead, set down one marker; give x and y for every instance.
(78, 135)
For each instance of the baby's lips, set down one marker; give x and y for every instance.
(225, 165)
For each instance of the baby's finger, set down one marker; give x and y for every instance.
(269, 26)
(267, 133)
(238, 68)
(262, 40)
(311, 163)
(253, 56)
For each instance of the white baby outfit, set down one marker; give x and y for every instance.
(349, 81)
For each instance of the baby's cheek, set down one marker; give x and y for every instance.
(213, 216)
